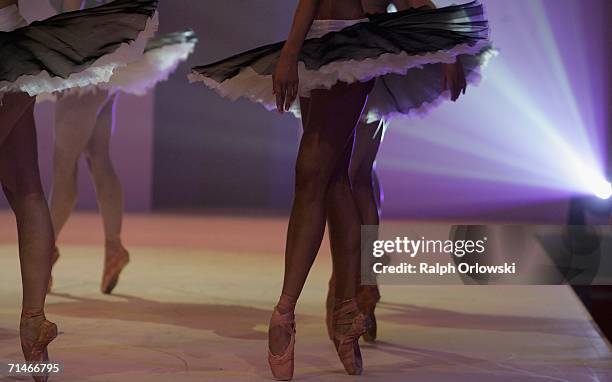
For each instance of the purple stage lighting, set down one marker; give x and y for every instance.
(534, 131)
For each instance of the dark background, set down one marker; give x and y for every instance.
(209, 152)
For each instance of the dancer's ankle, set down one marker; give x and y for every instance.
(344, 308)
(286, 304)
(113, 245)
(27, 313)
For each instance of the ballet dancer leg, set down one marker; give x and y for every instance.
(346, 321)
(109, 194)
(21, 183)
(367, 195)
(364, 180)
(367, 192)
(75, 121)
(328, 130)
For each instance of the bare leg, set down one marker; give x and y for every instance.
(109, 194)
(363, 183)
(108, 186)
(368, 194)
(327, 134)
(344, 225)
(12, 108)
(22, 186)
(363, 173)
(328, 131)
(75, 121)
(21, 183)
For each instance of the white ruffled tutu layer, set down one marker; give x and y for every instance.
(139, 77)
(258, 88)
(156, 66)
(418, 91)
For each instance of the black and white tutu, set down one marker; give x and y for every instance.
(161, 58)
(404, 51)
(73, 49)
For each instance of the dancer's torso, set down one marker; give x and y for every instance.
(340, 10)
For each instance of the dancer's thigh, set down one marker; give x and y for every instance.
(75, 121)
(19, 157)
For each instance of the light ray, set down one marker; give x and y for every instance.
(527, 124)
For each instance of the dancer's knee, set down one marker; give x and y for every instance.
(361, 178)
(340, 187)
(313, 177)
(98, 161)
(314, 168)
(29, 186)
(310, 182)
(65, 159)
(22, 192)
(21, 178)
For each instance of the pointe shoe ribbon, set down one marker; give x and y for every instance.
(347, 343)
(358, 328)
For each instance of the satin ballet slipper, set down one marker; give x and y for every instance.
(113, 265)
(282, 365)
(54, 257)
(367, 298)
(36, 334)
(347, 341)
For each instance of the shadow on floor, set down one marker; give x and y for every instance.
(9, 334)
(231, 321)
(441, 318)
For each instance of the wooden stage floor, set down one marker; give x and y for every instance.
(193, 305)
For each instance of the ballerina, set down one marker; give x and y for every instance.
(365, 184)
(330, 61)
(84, 122)
(44, 57)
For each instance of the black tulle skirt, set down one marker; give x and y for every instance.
(162, 56)
(404, 51)
(75, 49)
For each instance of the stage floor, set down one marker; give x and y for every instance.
(193, 305)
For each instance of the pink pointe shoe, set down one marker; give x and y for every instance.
(347, 341)
(368, 297)
(282, 365)
(36, 334)
(113, 265)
